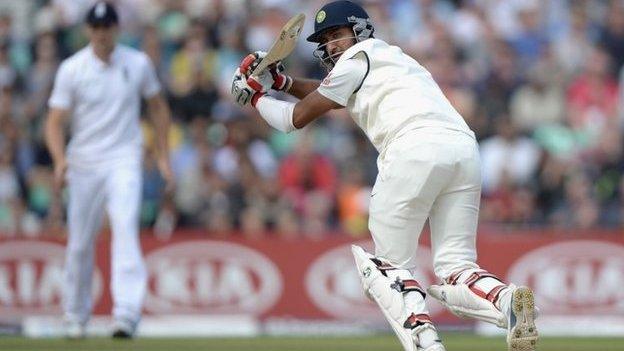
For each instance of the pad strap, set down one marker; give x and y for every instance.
(493, 295)
(415, 320)
(408, 285)
(474, 277)
(383, 267)
(452, 279)
(400, 285)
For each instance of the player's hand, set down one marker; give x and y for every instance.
(60, 169)
(261, 82)
(280, 81)
(250, 62)
(242, 92)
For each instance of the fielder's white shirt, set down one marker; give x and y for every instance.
(388, 93)
(105, 101)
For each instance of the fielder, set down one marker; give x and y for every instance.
(429, 168)
(100, 89)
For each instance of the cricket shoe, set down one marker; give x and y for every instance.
(521, 331)
(123, 329)
(74, 330)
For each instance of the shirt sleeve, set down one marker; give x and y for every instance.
(150, 85)
(61, 96)
(344, 79)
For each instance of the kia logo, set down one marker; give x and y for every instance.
(31, 278)
(211, 277)
(574, 277)
(334, 285)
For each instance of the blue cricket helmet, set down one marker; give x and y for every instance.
(342, 13)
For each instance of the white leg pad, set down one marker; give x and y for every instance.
(377, 287)
(462, 302)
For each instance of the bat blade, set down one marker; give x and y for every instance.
(284, 44)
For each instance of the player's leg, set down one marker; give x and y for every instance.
(409, 180)
(84, 217)
(401, 299)
(471, 291)
(129, 277)
(453, 224)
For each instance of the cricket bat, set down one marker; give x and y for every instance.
(285, 43)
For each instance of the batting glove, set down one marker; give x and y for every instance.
(242, 92)
(281, 81)
(261, 82)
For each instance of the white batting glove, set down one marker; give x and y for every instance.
(261, 82)
(250, 62)
(281, 81)
(242, 92)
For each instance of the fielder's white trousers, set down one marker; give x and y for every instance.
(427, 173)
(116, 189)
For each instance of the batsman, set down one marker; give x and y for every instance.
(429, 169)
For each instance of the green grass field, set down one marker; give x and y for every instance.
(453, 342)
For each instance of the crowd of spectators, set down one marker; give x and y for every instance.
(536, 80)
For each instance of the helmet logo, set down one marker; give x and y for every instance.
(320, 16)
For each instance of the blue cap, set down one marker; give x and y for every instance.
(335, 14)
(102, 14)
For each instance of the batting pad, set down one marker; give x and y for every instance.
(460, 300)
(391, 302)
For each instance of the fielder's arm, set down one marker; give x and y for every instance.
(159, 113)
(55, 141)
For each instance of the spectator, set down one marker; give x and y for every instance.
(507, 157)
(192, 66)
(8, 77)
(352, 200)
(530, 42)
(539, 101)
(592, 97)
(579, 209)
(41, 76)
(572, 49)
(9, 191)
(502, 79)
(308, 178)
(612, 36)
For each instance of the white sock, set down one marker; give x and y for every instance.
(504, 300)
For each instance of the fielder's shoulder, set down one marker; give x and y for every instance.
(131, 53)
(74, 62)
(77, 57)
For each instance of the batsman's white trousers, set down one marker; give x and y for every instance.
(116, 188)
(427, 173)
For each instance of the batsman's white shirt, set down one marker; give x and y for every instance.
(429, 164)
(388, 93)
(105, 101)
